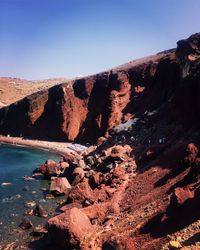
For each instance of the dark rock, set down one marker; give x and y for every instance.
(26, 223)
(40, 211)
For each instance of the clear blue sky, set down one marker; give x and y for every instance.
(53, 38)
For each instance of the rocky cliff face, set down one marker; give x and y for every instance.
(139, 188)
(88, 108)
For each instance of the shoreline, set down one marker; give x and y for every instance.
(60, 148)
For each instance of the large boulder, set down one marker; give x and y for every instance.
(69, 228)
(51, 168)
(60, 185)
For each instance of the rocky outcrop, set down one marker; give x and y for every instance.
(51, 168)
(86, 109)
(69, 228)
(59, 185)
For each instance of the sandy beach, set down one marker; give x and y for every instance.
(62, 148)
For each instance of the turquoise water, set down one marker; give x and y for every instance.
(16, 162)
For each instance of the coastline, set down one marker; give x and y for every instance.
(61, 148)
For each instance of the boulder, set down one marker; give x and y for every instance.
(39, 231)
(59, 185)
(40, 211)
(81, 192)
(81, 163)
(26, 223)
(51, 168)
(190, 154)
(78, 175)
(183, 194)
(69, 228)
(118, 151)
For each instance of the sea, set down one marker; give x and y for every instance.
(15, 191)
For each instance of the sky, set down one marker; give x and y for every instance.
(42, 39)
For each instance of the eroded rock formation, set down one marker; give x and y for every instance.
(139, 186)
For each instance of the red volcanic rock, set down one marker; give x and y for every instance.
(81, 164)
(96, 211)
(183, 194)
(78, 175)
(118, 151)
(191, 153)
(63, 165)
(95, 179)
(120, 243)
(69, 228)
(70, 206)
(59, 185)
(81, 192)
(119, 172)
(51, 168)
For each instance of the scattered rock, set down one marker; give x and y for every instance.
(40, 211)
(28, 178)
(30, 204)
(39, 231)
(26, 223)
(119, 172)
(29, 212)
(50, 196)
(78, 175)
(60, 185)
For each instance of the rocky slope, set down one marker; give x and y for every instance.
(138, 187)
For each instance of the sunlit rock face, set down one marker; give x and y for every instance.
(88, 108)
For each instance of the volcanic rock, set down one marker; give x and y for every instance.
(59, 185)
(191, 154)
(51, 168)
(40, 211)
(69, 228)
(120, 243)
(81, 192)
(26, 223)
(78, 175)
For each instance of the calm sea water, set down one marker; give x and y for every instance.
(16, 162)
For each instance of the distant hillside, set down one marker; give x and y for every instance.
(14, 89)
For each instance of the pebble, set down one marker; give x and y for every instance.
(30, 204)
